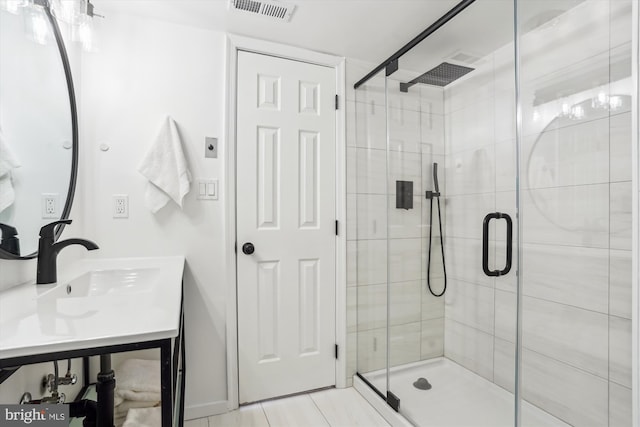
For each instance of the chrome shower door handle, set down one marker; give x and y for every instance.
(485, 244)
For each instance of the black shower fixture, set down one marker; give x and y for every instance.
(440, 75)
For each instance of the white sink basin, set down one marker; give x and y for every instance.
(95, 303)
(99, 283)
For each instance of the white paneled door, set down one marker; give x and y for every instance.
(285, 226)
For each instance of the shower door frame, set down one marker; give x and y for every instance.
(635, 214)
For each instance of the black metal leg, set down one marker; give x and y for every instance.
(166, 381)
(105, 388)
(85, 371)
(184, 380)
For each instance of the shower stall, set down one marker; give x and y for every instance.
(490, 208)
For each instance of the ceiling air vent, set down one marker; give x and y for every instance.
(465, 57)
(270, 9)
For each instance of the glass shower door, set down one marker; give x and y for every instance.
(368, 199)
(452, 307)
(576, 91)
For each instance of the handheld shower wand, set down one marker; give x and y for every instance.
(435, 195)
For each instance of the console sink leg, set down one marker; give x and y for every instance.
(105, 388)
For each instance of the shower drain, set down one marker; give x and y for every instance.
(422, 384)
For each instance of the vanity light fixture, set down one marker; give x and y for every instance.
(12, 6)
(77, 13)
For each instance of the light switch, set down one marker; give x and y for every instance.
(207, 189)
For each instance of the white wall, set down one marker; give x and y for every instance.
(143, 70)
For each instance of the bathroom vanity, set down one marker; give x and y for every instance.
(101, 307)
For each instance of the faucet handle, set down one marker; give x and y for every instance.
(49, 229)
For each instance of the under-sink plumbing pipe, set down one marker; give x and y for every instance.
(435, 195)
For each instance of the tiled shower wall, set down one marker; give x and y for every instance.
(383, 240)
(576, 218)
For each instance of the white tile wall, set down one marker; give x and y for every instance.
(572, 155)
(432, 339)
(620, 220)
(620, 283)
(620, 405)
(469, 347)
(371, 216)
(620, 351)
(575, 336)
(570, 216)
(470, 305)
(620, 149)
(371, 166)
(372, 261)
(405, 259)
(471, 171)
(580, 280)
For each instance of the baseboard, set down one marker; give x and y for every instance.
(194, 412)
(391, 416)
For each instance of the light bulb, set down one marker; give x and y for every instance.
(37, 25)
(615, 102)
(82, 32)
(577, 112)
(12, 6)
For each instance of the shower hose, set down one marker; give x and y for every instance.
(431, 196)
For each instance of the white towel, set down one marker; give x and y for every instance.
(120, 411)
(138, 396)
(138, 379)
(8, 162)
(145, 417)
(166, 168)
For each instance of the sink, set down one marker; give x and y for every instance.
(98, 283)
(96, 302)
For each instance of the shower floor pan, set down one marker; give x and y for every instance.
(458, 398)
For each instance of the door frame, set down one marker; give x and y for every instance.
(234, 44)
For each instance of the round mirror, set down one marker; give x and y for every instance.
(38, 128)
(564, 151)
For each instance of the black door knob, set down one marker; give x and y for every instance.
(248, 248)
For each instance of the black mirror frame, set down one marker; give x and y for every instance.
(74, 127)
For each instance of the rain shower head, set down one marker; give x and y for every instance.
(440, 75)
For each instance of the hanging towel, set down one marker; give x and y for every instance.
(145, 417)
(8, 162)
(166, 168)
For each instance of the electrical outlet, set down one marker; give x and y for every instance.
(50, 205)
(120, 206)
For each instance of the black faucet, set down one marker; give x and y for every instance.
(48, 251)
(9, 240)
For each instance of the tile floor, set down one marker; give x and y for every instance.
(333, 407)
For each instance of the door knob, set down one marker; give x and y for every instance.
(248, 248)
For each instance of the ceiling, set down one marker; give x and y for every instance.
(369, 30)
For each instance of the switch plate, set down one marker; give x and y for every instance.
(120, 206)
(207, 189)
(51, 205)
(211, 147)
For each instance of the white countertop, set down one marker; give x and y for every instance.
(40, 319)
